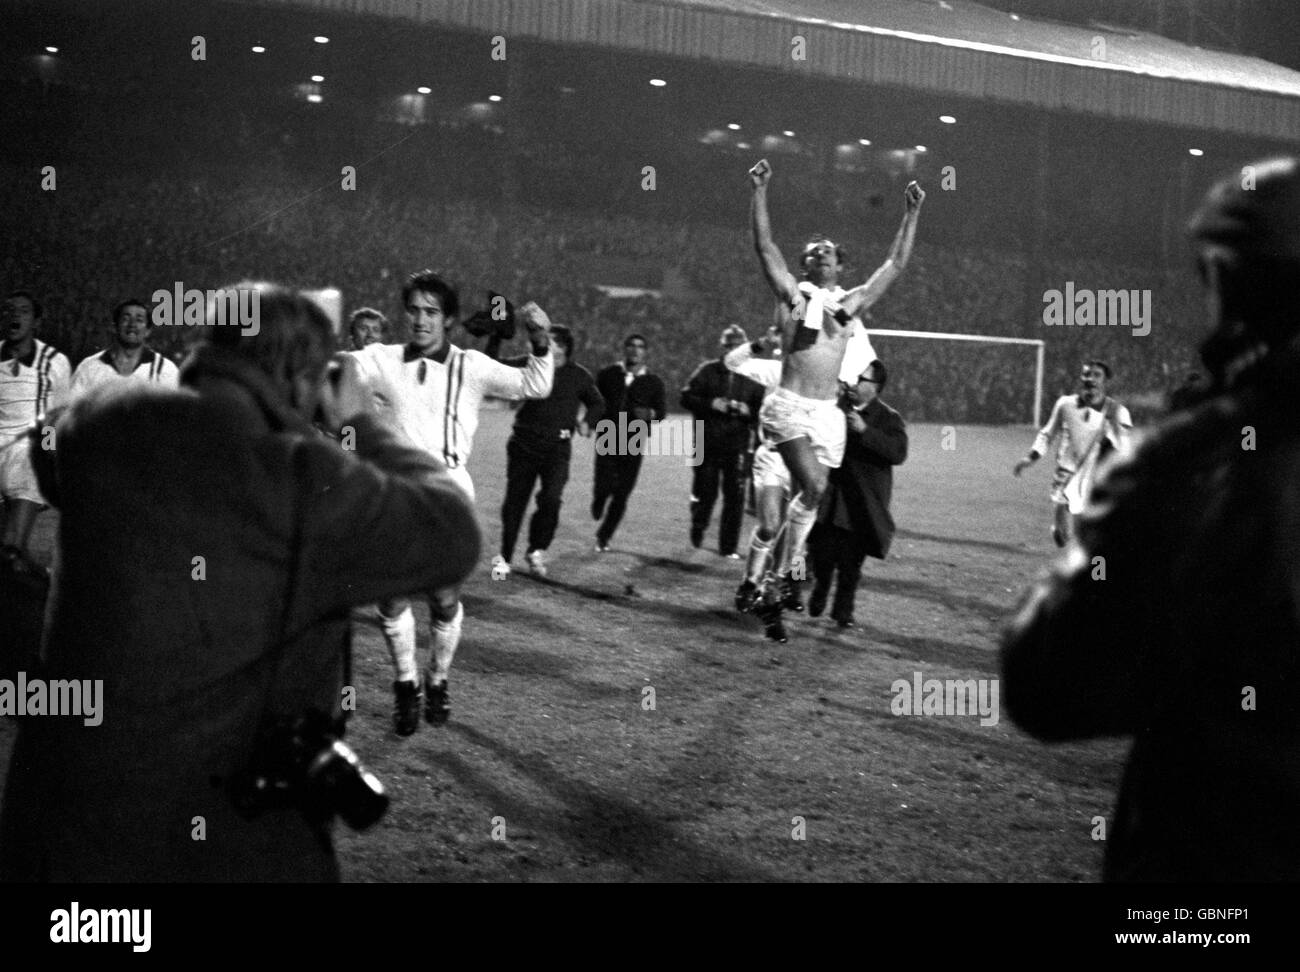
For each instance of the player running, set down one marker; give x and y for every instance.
(34, 378)
(128, 356)
(432, 391)
(823, 335)
(1088, 426)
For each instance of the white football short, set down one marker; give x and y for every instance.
(769, 469)
(786, 416)
(17, 477)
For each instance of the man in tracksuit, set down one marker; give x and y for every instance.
(727, 403)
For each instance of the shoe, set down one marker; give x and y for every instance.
(500, 568)
(746, 596)
(844, 624)
(817, 603)
(536, 560)
(406, 707)
(788, 588)
(697, 536)
(773, 626)
(437, 702)
(602, 546)
(732, 556)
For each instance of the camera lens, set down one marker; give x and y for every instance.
(338, 779)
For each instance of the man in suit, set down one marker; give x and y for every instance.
(632, 395)
(853, 521)
(727, 403)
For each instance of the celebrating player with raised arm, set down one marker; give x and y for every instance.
(823, 336)
(433, 390)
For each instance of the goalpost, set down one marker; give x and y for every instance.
(1038, 344)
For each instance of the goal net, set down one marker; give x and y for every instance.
(963, 378)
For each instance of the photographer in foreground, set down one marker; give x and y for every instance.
(1172, 618)
(212, 543)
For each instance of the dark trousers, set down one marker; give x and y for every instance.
(833, 551)
(729, 469)
(615, 478)
(528, 459)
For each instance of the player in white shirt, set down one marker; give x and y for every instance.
(432, 390)
(1087, 427)
(367, 326)
(34, 378)
(129, 357)
(802, 417)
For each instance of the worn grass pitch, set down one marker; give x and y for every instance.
(551, 745)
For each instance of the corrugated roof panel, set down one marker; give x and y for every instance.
(945, 47)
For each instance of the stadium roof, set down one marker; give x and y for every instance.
(939, 46)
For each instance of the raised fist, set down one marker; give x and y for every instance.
(914, 195)
(534, 318)
(760, 174)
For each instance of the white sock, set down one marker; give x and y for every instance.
(446, 638)
(759, 552)
(399, 633)
(799, 523)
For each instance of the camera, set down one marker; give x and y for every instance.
(301, 762)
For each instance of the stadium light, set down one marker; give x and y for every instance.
(320, 39)
(315, 99)
(259, 49)
(864, 141)
(921, 148)
(51, 50)
(1197, 152)
(734, 127)
(658, 83)
(788, 134)
(948, 119)
(742, 145)
(424, 89)
(494, 97)
(318, 78)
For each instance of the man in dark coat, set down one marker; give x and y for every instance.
(727, 403)
(212, 543)
(633, 399)
(539, 449)
(1174, 617)
(854, 522)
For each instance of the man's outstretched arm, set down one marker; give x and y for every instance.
(777, 273)
(862, 297)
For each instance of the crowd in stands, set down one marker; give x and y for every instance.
(102, 236)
